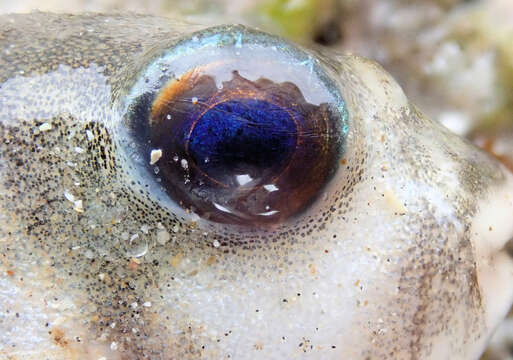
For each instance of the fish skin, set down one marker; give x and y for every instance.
(402, 259)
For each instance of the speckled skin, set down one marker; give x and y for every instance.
(400, 258)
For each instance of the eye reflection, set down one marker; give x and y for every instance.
(248, 135)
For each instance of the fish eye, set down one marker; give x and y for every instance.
(236, 126)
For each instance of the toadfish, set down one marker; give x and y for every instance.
(175, 191)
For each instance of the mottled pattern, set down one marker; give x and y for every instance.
(96, 263)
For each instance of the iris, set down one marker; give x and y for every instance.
(246, 138)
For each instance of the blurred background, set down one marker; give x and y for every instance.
(454, 58)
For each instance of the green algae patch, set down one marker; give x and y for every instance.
(295, 19)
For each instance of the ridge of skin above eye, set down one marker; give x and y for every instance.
(401, 258)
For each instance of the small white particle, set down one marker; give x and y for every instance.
(185, 164)
(163, 237)
(134, 237)
(168, 117)
(89, 254)
(78, 206)
(45, 127)
(133, 305)
(175, 228)
(101, 276)
(79, 150)
(195, 100)
(147, 304)
(69, 196)
(125, 236)
(145, 229)
(175, 158)
(155, 155)
(243, 179)
(113, 346)
(102, 358)
(89, 135)
(216, 244)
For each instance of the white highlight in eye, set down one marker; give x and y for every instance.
(222, 208)
(243, 179)
(269, 213)
(271, 187)
(155, 156)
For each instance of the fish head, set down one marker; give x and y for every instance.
(401, 254)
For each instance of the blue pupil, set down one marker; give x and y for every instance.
(242, 136)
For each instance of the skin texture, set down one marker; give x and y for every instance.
(402, 256)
